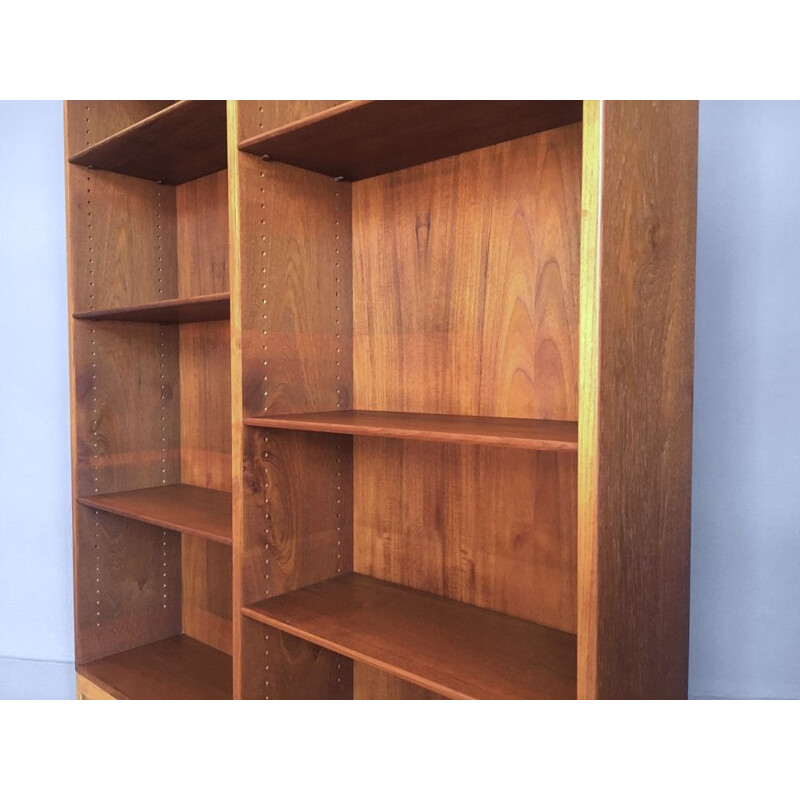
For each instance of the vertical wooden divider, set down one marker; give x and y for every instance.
(237, 458)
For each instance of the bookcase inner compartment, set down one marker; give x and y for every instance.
(448, 288)
(152, 411)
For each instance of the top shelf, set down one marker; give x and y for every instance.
(180, 143)
(363, 138)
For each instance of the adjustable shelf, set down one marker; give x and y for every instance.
(206, 308)
(184, 141)
(177, 668)
(529, 434)
(182, 508)
(453, 649)
(362, 138)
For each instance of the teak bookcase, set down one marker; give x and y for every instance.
(381, 399)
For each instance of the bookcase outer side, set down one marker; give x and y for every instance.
(635, 415)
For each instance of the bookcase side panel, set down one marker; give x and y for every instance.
(296, 333)
(123, 237)
(635, 434)
(91, 121)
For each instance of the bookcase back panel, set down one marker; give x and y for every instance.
(91, 121)
(296, 278)
(128, 584)
(259, 116)
(205, 404)
(127, 406)
(466, 282)
(123, 240)
(202, 235)
(207, 592)
(370, 683)
(494, 527)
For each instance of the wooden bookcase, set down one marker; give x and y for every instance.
(385, 399)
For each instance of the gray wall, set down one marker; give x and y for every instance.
(746, 538)
(745, 634)
(35, 528)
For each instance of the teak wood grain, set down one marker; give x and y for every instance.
(360, 138)
(206, 308)
(206, 599)
(235, 238)
(182, 142)
(296, 276)
(490, 526)
(123, 240)
(278, 666)
(640, 173)
(128, 579)
(259, 116)
(466, 283)
(182, 508)
(497, 431)
(370, 683)
(90, 121)
(450, 648)
(177, 668)
(205, 397)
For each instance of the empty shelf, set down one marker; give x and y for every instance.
(457, 650)
(178, 507)
(206, 308)
(531, 434)
(184, 141)
(362, 138)
(178, 668)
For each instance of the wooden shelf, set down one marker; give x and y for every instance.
(529, 434)
(206, 308)
(178, 668)
(184, 141)
(179, 507)
(453, 649)
(362, 138)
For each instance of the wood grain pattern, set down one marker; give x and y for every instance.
(86, 690)
(636, 399)
(235, 238)
(206, 607)
(489, 526)
(297, 510)
(456, 650)
(89, 121)
(202, 235)
(177, 668)
(128, 576)
(257, 116)
(123, 239)
(205, 369)
(205, 396)
(495, 431)
(360, 139)
(277, 666)
(206, 308)
(296, 279)
(182, 142)
(466, 283)
(374, 684)
(182, 508)
(127, 406)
